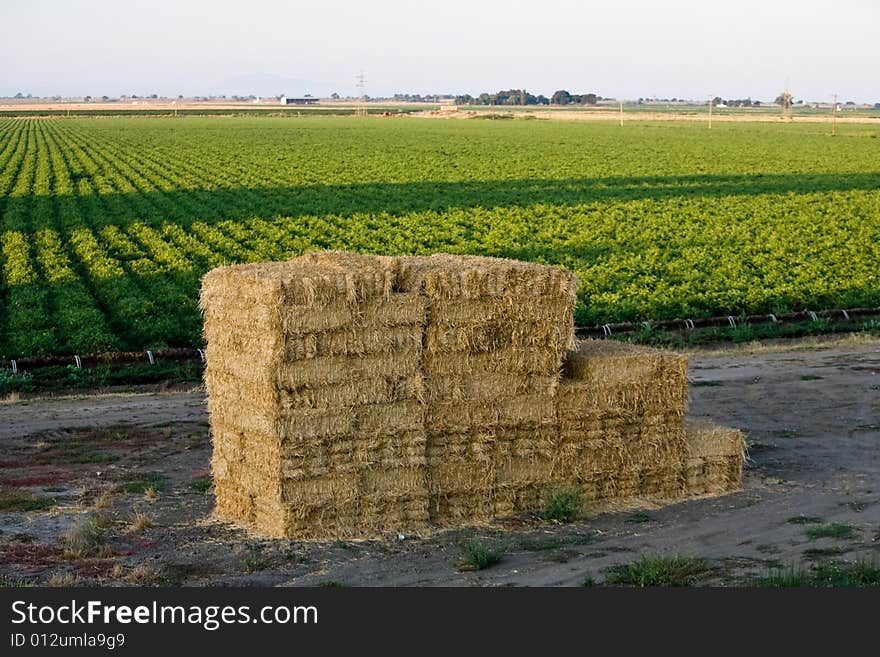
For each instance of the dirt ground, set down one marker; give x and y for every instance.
(125, 476)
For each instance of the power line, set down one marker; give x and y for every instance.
(361, 109)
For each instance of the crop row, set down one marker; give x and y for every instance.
(106, 226)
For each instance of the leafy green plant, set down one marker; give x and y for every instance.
(15, 382)
(655, 570)
(833, 530)
(562, 503)
(141, 483)
(16, 500)
(479, 555)
(862, 573)
(201, 485)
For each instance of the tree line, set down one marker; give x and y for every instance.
(523, 97)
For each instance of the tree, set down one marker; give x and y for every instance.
(334, 96)
(589, 99)
(560, 97)
(19, 95)
(784, 100)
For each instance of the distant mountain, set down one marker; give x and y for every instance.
(269, 84)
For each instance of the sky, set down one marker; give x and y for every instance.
(616, 48)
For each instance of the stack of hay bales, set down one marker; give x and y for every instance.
(621, 421)
(313, 375)
(714, 460)
(351, 394)
(495, 337)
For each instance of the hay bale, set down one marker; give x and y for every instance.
(314, 387)
(602, 375)
(495, 336)
(620, 411)
(715, 458)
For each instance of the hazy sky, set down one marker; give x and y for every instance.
(616, 48)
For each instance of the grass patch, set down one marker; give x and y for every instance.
(85, 539)
(811, 377)
(7, 582)
(141, 483)
(857, 505)
(332, 584)
(834, 530)
(655, 570)
(825, 575)
(540, 543)
(815, 554)
(254, 563)
(758, 446)
(11, 500)
(588, 580)
(202, 485)
(638, 517)
(479, 555)
(706, 384)
(804, 520)
(561, 504)
(141, 522)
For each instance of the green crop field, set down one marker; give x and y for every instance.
(107, 224)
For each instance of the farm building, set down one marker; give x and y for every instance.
(302, 100)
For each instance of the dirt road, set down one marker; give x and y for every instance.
(812, 416)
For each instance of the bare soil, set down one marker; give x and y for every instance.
(811, 413)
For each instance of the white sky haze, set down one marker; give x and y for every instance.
(623, 49)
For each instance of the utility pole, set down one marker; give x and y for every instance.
(621, 113)
(834, 117)
(362, 100)
(711, 102)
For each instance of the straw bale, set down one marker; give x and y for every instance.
(486, 387)
(492, 335)
(378, 390)
(470, 277)
(463, 312)
(713, 476)
(706, 439)
(311, 279)
(529, 409)
(350, 341)
(715, 458)
(578, 459)
(324, 370)
(505, 360)
(390, 418)
(605, 374)
(361, 453)
(397, 310)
